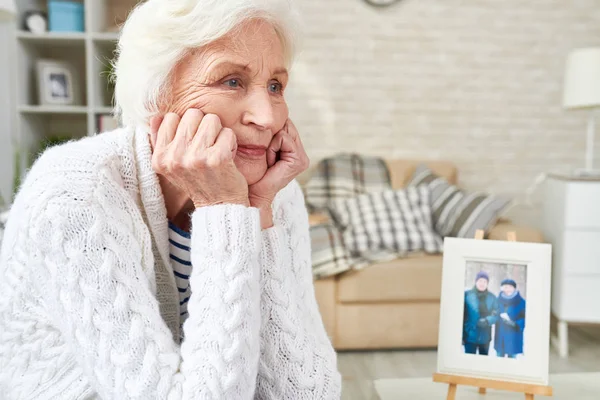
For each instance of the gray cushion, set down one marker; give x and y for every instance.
(455, 212)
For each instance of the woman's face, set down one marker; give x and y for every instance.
(481, 284)
(240, 78)
(508, 289)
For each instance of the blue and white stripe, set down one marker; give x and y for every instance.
(179, 249)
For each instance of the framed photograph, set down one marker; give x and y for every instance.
(57, 83)
(495, 310)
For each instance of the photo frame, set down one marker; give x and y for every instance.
(469, 317)
(58, 83)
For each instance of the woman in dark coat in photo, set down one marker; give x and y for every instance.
(479, 315)
(508, 340)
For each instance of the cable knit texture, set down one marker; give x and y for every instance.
(89, 305)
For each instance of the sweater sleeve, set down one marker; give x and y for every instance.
(99, 290)
(494, 311)
(297, 359)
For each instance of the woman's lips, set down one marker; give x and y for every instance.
(252, 151)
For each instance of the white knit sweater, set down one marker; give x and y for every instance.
(89, 305)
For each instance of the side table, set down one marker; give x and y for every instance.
(571, 222)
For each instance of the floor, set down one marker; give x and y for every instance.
(360, 369)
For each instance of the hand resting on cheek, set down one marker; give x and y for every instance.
(286, 159)
(196, 155)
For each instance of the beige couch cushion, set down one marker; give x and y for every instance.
(325, 295)
(318, 218)
(414, 278)
(402, 170)
(385, 325)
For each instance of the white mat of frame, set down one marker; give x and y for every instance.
(575, 386)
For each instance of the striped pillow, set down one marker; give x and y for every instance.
(456, 213)
(387, 224)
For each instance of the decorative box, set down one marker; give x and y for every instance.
(65, 16)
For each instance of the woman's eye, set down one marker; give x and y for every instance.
(275, 87)
(234, 83)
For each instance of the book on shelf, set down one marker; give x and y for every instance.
(107, 122)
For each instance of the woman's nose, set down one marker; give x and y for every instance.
(258, 110)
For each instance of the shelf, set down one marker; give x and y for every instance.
(103, 110)
(105, 36)
(27, 109)
(88, 53)
(65, 38)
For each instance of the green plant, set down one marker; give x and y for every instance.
(109, 74)
(25, 159)
(51, 141)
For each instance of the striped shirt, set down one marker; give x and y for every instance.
(179, 251)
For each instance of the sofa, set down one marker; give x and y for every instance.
(394, 304)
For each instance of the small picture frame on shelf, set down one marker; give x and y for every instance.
(57, 83)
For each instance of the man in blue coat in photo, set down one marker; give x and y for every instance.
(479, 315)
(508, 340)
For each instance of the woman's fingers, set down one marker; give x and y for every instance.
(154, 127)
(274, 149)
(286, 159)
(164, 136)
(226, 143)
(167, 129)
(196, 155)
(290, 128)
(207, 132)
(287, 146)
(188, 126)
(295, 143)
(186, 130)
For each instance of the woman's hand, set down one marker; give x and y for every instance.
(195, 154)
(286, 159)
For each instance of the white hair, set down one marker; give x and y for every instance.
(159, 33)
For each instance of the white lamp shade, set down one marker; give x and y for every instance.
(582, 79)
(8, 9)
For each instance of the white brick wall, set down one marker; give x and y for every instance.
(478, 82)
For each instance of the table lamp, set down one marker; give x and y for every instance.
(582, 91)
(8, 9)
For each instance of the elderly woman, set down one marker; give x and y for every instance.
(170, 259)
(508, 338)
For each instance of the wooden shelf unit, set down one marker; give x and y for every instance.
(90, 53)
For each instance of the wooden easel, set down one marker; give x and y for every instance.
(483, 384)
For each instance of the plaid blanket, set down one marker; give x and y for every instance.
(345, 176)
(329, 255)
(342, 176)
